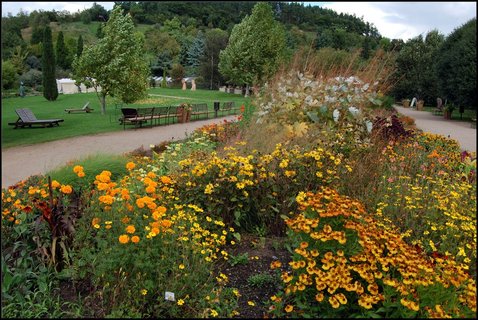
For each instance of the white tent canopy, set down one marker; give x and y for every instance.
(68, 86)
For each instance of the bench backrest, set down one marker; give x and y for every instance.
(129, 112)
(161, 111)
(199, 107)
(26, 115)
(86, 105)
(145, 112)
(228, 105)
(173, 109)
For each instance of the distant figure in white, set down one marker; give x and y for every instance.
(184, 84)
(414, 100)
(193, 85)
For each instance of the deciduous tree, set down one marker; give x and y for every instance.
(255, 48)
(115, 65)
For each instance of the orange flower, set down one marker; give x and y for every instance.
(130, 165)
(124, 238)
(55, 184)
(66, 189)
(135, 239)
(130, 229)
(166, 223)
(81, 174)
(77, 169)
(166, 180)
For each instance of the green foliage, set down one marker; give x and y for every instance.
(93, 165)
(79, 46)
(62, 52)
(261, 280)
(9, 76)
(416, 76)
(240, 259)
(456, 65)
(215, 41)
(115, 62)
(50, 89)
(255, 48)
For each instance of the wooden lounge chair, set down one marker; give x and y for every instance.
(85, 108)
(26, 118)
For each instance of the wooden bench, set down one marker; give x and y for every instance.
(137, 117)
(199, 109)
(228, 108)
(160, 113)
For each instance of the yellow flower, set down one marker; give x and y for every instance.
(289, 308)
(55, 184)
(123, 238)
(144, 292)
(251, 303)
(130, 165)
(181, 266)
(180, 302)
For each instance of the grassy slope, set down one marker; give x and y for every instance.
(78, 124)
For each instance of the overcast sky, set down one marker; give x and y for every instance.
(394, 20)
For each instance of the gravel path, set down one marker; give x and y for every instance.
(18, 163)
(460, 131)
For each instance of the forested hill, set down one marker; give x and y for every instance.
(225, 14)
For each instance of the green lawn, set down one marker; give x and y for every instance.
(79, 124)
(467, 115)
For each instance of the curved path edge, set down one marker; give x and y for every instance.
(460, 131)
(19, 163)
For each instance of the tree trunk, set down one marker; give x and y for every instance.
(212, 71)
(103, 103)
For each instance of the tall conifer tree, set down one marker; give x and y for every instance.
(61, 52)
(50, 90)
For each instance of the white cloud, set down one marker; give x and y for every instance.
(28, 7)
(405, 20)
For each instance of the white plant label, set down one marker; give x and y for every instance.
(169, 296)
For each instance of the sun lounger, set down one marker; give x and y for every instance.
(26, 118)
(85, 108)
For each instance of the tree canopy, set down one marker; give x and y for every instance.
(456, 65)
(255, 48)
(115, 64)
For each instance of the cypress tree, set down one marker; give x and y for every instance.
(50, 89)
(79, 46)
(61, 52)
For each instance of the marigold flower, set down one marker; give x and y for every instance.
(77, 169)
(289, 308)
(55, 184)
(166, 180)
(130, 165)
(166, 223)
(66, 189)
(135, 239)
(124, 238)
(81, 174)
(130, 229)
